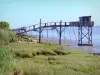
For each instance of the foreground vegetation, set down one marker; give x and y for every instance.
(51, 61)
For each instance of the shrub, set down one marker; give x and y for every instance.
(48, 52)
(24, 54)
(6, 36)
(38, 53)
(61, 52)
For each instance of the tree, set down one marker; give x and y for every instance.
(4, 25)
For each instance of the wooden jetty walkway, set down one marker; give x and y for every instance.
(83, 23)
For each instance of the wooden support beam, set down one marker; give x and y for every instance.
(55, 23)
(65, 24)
(40, 32)
(45, 24)
(60, 32)
(84, 35)
(34, 27)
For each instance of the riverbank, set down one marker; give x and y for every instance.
(75, 62)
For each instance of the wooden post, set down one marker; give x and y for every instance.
(55, 23)
(60, 32)
(81, 35)
(34, 27)
(45, 24)
(87, 35)
(65, 23)
(40, 32)
(47, 32)
(91, 35)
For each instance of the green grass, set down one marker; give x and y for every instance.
(75, 62)
(27, 50)
(7, 61)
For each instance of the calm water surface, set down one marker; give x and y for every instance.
(70, 37)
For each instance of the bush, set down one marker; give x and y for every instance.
(6, 36)
(48, 52)
(24, 54)
(61, 52)
(38, 53)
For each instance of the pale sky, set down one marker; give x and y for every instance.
(28, 12)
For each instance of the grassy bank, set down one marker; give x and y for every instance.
(48, 59)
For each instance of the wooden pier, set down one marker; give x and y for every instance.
(83, 23)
